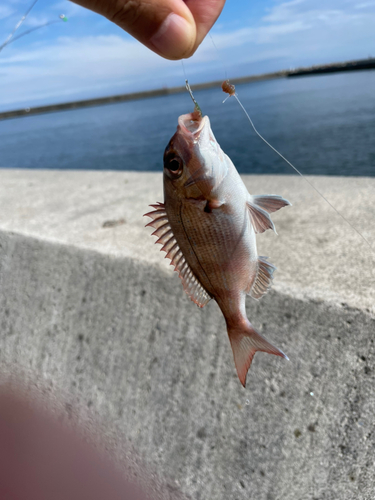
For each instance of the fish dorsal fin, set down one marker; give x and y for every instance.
(259, 217)
(264, 278)
(163, 230)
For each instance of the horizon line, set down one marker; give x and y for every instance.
(355, 65)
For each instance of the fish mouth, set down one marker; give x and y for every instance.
(192, 124)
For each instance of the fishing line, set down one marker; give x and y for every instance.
(298, 172)
(188, 88)
(18, 25)
(30, 30)
(197, 107)
(230, 90)
(219, 55)
(319, 401)
(183, 69)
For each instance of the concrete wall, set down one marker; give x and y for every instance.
(94, 312)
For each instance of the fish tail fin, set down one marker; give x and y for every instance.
(245, 342)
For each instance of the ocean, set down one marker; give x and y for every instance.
(324, 125)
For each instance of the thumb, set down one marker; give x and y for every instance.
(165, 26)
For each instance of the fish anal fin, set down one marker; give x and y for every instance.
(260, 219)
(263, 281)
(190, 282)
(270, 202)
(245, 342)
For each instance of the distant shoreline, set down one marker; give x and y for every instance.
(361, 64)
(358, 65)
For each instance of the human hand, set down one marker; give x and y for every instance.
(174, 29)
(42, 458)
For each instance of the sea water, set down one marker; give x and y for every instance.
(323, 124)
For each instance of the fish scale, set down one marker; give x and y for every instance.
(214, 240)
(208, 225)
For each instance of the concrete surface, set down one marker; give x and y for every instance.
(88, 305)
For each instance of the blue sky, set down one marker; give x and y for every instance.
(90, 57)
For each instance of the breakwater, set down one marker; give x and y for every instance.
(88, 309)
(132, 96)
(358, 65)
(84, 103)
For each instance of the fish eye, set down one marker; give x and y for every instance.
(173, 164)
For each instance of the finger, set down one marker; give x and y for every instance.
(205, 15)
(165, 26)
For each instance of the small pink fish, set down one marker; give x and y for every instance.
(207, 226)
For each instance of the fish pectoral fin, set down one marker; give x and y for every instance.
(163, 231)
(245, 342)
(270, 202)
(260, 219)
(213, 205)
(263, 281)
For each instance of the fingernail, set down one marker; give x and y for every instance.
(173, 37)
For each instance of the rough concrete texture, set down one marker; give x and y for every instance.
(91, 310)
(316, 252)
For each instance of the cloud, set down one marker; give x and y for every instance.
(365, 5)
(34, 21)
(311, 13)
(284, 12)
(5, 11)
(77, 65)
(297, 33)
(292, 33)
(296, 16)
(259, 34)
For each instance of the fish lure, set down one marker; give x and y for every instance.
(207, 226)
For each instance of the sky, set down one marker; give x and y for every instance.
(89, 56)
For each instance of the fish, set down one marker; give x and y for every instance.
(207, 226)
